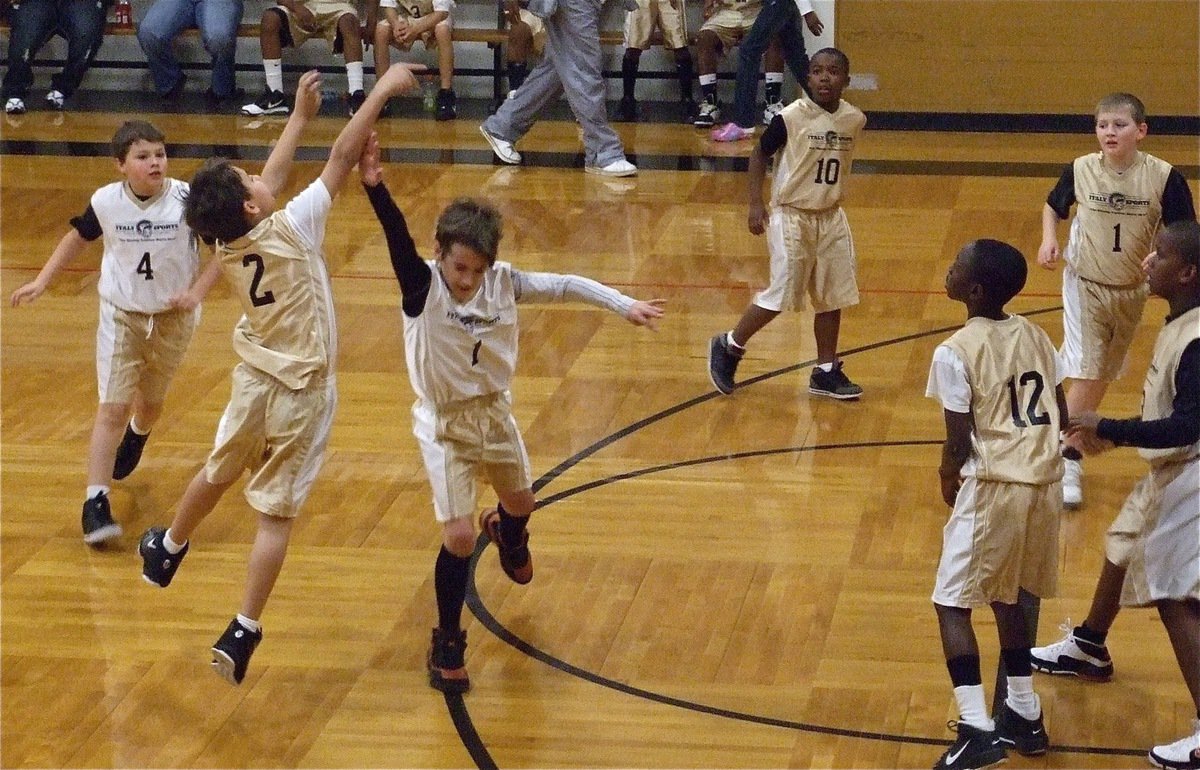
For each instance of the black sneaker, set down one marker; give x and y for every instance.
(231, 654)
(723, 361)
(355, 101)
(447, 671)
(627, 111)
(1027, 736)
(158, 565)
(129, 453)
(1073, 655)
(446, 104)
(515, 560)
(834, 384)
(973, 750)
(270, 103)
(98, 524)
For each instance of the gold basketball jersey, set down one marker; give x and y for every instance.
(1158, 391)
(1011, 368)
(811, 168)
(1116, 218)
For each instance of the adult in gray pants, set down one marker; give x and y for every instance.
(571, 64)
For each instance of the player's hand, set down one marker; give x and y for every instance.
(950, 484)
(27, 293)
(400, 78)
(308, 95)
(370, 170)
(1146, 262)
(757, 220)
(184, 300)
(646, 313)
(1048, 255)
(813, 22)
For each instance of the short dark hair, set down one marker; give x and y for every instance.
(1122, 100)
(214, 207)
(134, 131)
(837, 54)
(1184, 235)
(473, 223)
(999, 268)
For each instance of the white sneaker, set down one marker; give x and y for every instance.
(1073, 656)
(55, 99)
(1072, 484)
(620, 167)
(770, 111)
(1183, 754)
(503, 149)
(14, 106)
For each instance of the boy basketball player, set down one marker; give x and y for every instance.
(669, 16)
(997, 379)
(808, 236)
(1153, 549)
(460, 343)
(281, 408)
(149, 306)
(1122, 194)
(403, 23)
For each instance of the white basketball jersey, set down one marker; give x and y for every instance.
(812, 167)
(150, 254)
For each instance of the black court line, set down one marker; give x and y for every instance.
(484, 157)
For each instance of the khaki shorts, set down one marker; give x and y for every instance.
(1164, 562)
(278, 433)
(640, 24)
(812, 253)
(428, 39)
(729, 26)
(1099, 322)
(325, 27)
(139, 352)
(461, 440)
(1000, 537)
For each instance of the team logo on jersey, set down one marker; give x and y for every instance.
(1116, 201)
(830, 140)
(149, 230)
(472, 321)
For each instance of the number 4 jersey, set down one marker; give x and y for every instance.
(1005, 373)
(150, 254)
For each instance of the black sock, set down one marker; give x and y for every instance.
(710, 92)
(512, 528)
(450, 586)
(629, 72)
(1016, 662)
(964, 670)
(1088, 635)
(517, 72)
(774, 92)
(687, 74)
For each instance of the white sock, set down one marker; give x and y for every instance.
(1021, 697)
(248, 624)
(826, 367)
(708, 80)
(354, 76)
(274, 72)
(972, 708)
(134, 427)
(96, 489)
(729, 339)
(171, 546)
(773, 77)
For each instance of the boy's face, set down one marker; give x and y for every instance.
(1166, 270)
(1117, 132)
(462, 269)
(144, 166)
(260, 201)
(827, 78)
(959, 278)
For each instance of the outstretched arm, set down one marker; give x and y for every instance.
(555, 287)
(279, 162)
(193, 295)
(70, 247)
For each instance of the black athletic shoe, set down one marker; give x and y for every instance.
(723, 361)
(974, 749)
(447, 671)
(1075, 656)
(515, 559)
(129, 453)
(231, 654)
(1027, 736)
(270, 103)
(158, 565)
(98, 524)
(355, 101)
(447, 102)
(834, 384)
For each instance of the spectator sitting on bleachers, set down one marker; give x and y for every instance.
(34, 22)
(292, 22)
(526, 38)
(404, 22)
(726, 22)
(218, 22)
(641, 18)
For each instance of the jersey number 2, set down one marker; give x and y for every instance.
(1031, 412)
(257, 299)
(144, 269)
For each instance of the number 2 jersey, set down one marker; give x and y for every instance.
(817, 151)
(150, 254)
(1117, 214)
(278, 273)
(1005, 373)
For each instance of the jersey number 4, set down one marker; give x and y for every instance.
(1016, 384)
(258, 298)
(144, 269)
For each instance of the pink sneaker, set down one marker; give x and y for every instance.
(731, 132)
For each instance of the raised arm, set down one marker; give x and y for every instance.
(279, 162)
(69, 247)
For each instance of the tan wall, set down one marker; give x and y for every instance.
(1028, 56)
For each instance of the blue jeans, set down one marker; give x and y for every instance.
(34, 22)
(777, 17)
(218, 22)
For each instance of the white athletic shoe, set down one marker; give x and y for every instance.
(770, 111)
(14, 106)
(503, 149)
(1183, 754)
(1072, 484)
(620, 167)
(55, 99)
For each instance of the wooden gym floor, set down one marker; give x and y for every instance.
(722, 582)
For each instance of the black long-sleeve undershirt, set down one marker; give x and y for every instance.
(413, 273)
(1180, 428)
